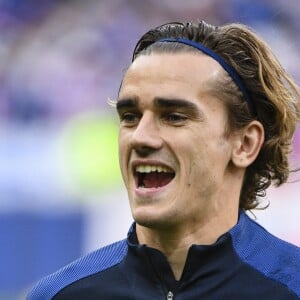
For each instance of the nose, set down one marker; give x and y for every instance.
(146, 137)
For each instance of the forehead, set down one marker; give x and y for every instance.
(180, 73)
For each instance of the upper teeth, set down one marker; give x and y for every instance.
(150, 168)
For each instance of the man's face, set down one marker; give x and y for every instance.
(174, 152)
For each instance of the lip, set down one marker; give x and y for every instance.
(150, 192)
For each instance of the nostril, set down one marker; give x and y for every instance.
(143, 151)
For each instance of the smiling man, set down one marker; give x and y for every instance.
(207, 115)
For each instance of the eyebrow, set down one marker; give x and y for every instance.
(174, 103)
(160, 103)
(126, 103)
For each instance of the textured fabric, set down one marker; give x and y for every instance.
(245, 263)
(94, 262)
(276, 259)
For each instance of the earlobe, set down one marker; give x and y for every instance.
(248, 144)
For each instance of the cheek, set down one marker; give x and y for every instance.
(193, 165)
(200, 165)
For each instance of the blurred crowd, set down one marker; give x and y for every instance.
(58, 58)
(60, 62)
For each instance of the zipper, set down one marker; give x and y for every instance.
(170, 296)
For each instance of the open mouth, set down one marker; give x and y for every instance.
(152, 176)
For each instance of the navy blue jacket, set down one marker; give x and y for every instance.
(245, 263)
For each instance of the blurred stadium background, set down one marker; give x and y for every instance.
(60, 61)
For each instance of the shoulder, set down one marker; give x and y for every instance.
(92, 263)
(276, 259)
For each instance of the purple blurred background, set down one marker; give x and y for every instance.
(60, 61)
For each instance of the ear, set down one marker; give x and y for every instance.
(248, 142)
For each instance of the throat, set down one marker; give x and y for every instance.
(154, 179)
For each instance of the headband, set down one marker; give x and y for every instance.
(233, 74)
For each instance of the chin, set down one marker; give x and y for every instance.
(144, 219)
(151, 220)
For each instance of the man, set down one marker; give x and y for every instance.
(207, 115)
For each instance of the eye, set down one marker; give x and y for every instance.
(175, 118)
(129, 119)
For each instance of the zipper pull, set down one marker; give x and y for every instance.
(170, 296)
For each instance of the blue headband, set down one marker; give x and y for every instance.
(233, 74)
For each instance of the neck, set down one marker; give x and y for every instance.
(175, 241)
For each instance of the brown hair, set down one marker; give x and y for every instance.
(276, 97)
